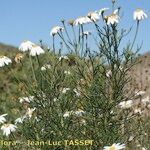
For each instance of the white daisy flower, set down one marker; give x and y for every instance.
(63, 57)
(85, 33)
(116, 11)
(87, 20)
(2, 118)
(79, 113)
(115, 146)
(121, 68)
(112, 19)
(81, 21)
(8, 128)
(67, 114)
(4, 61)
(93, 16)
(77, 92)
(19, 120)
(18, 58)
(139, 14)
(67, 72)
(71, 22)
(55, 99)
(126, 104)
(108, 74)
(131, 138)
(139, 93)
(26, 46)
(145, 100)
(26, 99)
(138, 111)
(64, 90)
(45, 67)
(30, 112)
(102, 10)
(83, 121)
(55, 30)
(148, 106)
(36, 50)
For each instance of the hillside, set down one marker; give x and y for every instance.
(140, 72)
(4, 47)
(7, 50)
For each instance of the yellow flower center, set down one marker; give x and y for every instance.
(138, 10)
(106, 17)
(1, 56)
(7, 125)
(90, 14)
(113, 16)
(30, 113)
(71, 22)
(34, 46)
(18, 57)
(112, 148)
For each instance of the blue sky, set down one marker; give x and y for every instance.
(33, 19)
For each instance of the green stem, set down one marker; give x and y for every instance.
(54, 44)
(66, 32)
(137, 28)
(32, 68)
